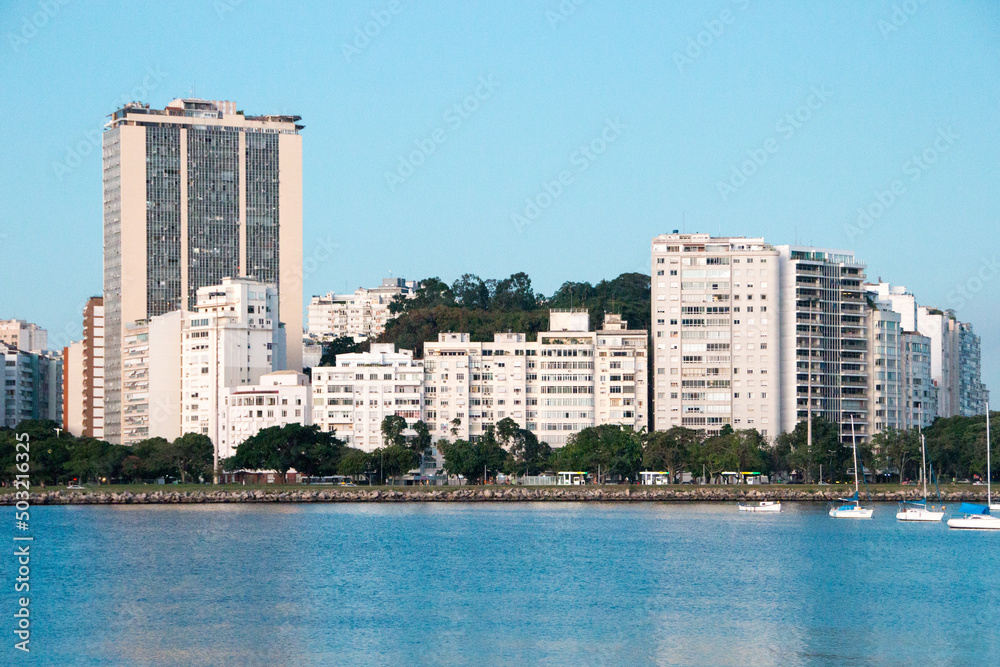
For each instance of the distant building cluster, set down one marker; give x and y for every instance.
(757, 336)
(361, 315)
(199, 328)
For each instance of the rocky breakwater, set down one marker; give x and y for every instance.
(472, 494)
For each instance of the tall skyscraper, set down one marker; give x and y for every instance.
(715, 333)
(194, 193)
(824, 344)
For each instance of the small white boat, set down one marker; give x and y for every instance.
(762, 506)
(852, 508)
(978, 517)
(917, 511)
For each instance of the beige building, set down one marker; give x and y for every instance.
(353, 397)
(23, 335)
(194, 193)
(83, 376)
(362, 315)
(280, 398)
(715, 333)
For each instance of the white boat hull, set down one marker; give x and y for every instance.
(765, 506)
(975, 522)
(852, 513)
(919, 515)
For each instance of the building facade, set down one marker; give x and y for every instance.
(83, 376)
(230, 340)
(973, 397)
(362, 315)
(32, 386)
(151, 378)
(824, 339)
(194, 193)
(566, 380)
(715, 331)
(353, 397)
(280, 398)
(23, 335)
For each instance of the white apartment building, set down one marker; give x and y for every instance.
(281, 398)
(353, 397)
(23, 335)
(973, 397)
(231, 339)
(151, 378)
(621, 368)
(920, 407)
(886, 372)
(824, 339)
(553, 386)
(942, 330)
(361, 315)
(83, 376)
(715, 314)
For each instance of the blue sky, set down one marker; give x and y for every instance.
(649, 111)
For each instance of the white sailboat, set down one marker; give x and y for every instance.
(917, 510)
(762, 506)
(978, 517)
(852, 508)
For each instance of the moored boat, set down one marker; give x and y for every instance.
(762, 506)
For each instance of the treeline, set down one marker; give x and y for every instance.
(55, 457)
(485, 307)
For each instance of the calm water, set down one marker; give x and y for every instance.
(693, 584)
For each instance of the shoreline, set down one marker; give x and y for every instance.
(471, 494)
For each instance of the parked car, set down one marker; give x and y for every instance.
(76, 487)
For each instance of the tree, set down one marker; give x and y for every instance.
(280, 448)
(456, 423)
(669, 450)
(338, 346)
(354, 462)
(155, 459)
(192, 455)
(825, 447)
(392, 431)
(395, 460)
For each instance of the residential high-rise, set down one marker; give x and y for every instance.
(230, 340)
(824, 339)
(547, 386)
(83, 376)
(194, 193)
(281, 398)
(23, 335)
(715, 314)
(151, 377)
(32, 386)
(361, 315)
(353, 397)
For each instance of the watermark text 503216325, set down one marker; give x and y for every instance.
(22, 541)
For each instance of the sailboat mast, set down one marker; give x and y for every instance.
(923, 464)
(854, 447)
(989, 495)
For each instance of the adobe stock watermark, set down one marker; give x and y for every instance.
(363, 35)
(704, 39)
(964, 292)
(224, 8)
(913, 169)
(787, 126)
(562, 12)
(900, 16)
(92, 139)
(31, 25)
(321, 252)
(453, 117)
(580, 161)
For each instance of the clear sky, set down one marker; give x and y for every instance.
(617, 120)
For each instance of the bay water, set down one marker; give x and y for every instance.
(492, 583)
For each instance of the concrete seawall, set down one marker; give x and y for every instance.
(473, 494)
